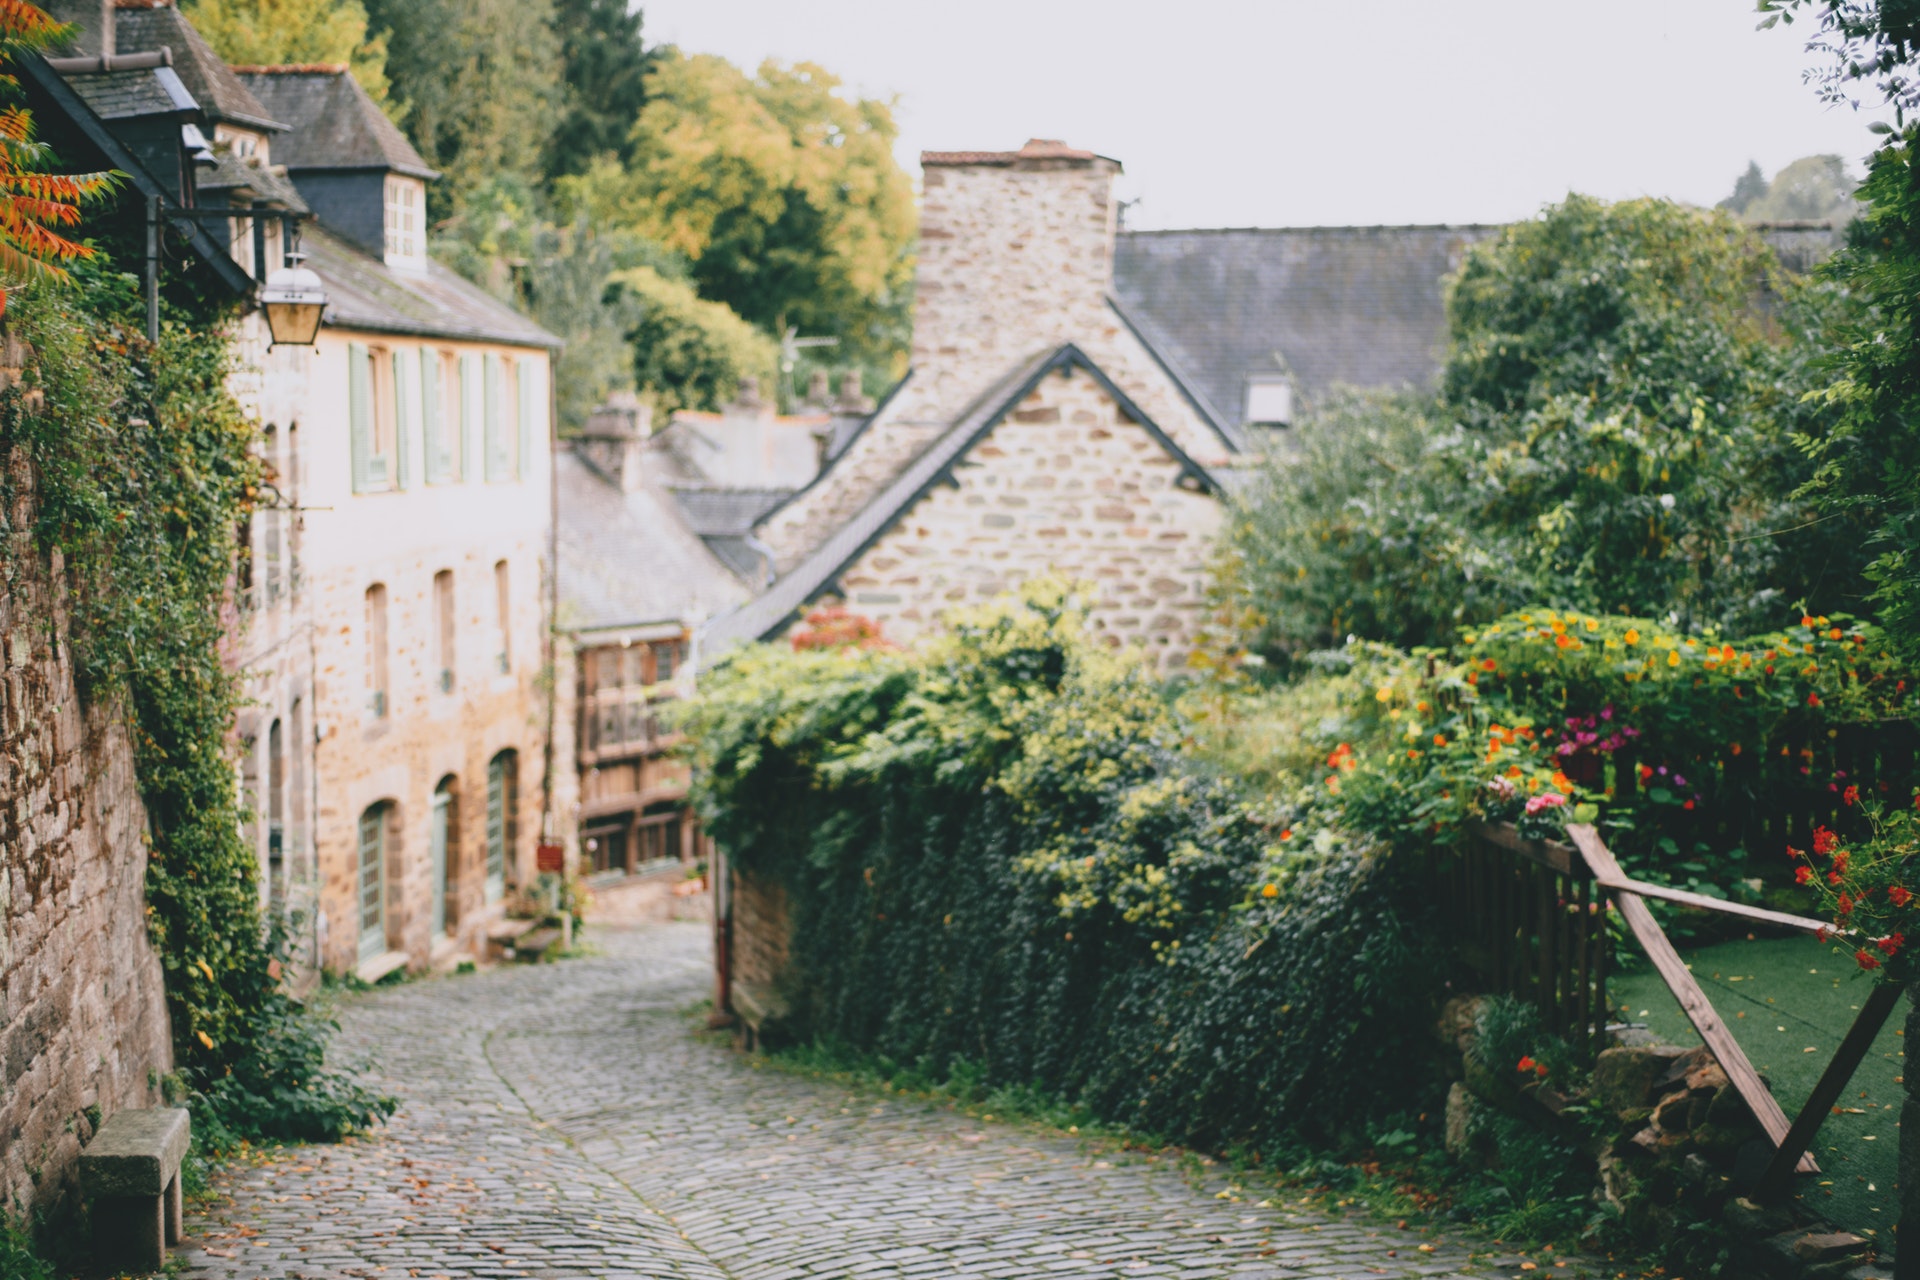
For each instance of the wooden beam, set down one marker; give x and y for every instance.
(1547, 853)
(1853, 1050)
(1719, 905)
(1693, 1001)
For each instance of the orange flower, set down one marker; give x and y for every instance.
(1270, 891)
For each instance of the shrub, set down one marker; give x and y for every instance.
(690, 353)
(996, 852)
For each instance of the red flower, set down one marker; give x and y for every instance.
(1813, 699)
(1821, 933)
(1850, 796)
(1527, 1064)
(1891, 943)
(1840, 862)
(1900, 896)
(1824, 841)
(1833, 877)
(1795, 853)
(1846, 904)
(1687, 805)
(1866, 959)
(1803, 874)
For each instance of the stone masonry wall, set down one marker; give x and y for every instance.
(1065, 485)
(83, 1019)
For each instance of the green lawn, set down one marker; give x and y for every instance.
(1789, 1001)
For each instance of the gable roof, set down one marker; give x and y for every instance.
(127, 95)
(207, 76)
(364, 293)
(42, 80)
(1361, 306)
(332, 122)
(766, 613)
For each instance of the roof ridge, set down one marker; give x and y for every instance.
(290, 68)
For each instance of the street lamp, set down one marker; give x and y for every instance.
(294, 301)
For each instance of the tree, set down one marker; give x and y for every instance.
(480, 81)
(690, 353)
(35, 205)
(783, 194)
(1747, 188)
(1812, 188)
(268, 32)
(1614, 433)
(605, 77)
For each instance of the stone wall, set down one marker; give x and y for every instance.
(83, 1019)
(1067, 484)
(761, 934)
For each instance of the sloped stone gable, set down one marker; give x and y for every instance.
(1067, 484)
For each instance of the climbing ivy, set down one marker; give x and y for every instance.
(143, 472)
(998, 856)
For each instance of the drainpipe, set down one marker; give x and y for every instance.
(553, 591)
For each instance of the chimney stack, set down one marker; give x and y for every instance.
(107, 49)
(1016, 255)
(616, 437)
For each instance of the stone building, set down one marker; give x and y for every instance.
(1035, 432)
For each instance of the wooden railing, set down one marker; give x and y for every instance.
(1532, 921)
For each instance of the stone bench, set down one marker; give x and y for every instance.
(131, 1172)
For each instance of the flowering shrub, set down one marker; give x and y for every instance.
(839, 629)
(1868, 886)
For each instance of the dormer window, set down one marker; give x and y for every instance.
(1269, 400)
(406, 222)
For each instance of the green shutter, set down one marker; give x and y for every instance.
(406, 414)
(499, 459)
(470, 395)
(532, 393)
(360, 414)
(433, 420)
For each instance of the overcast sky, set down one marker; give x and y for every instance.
(1300, 112)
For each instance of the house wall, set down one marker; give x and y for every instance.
(400, 539)
(1066, 484)
(83, 1019)
(351, 203)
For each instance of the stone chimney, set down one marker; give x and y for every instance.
(817, 397)
(1016, 255)
(616, 437)
(853, 402)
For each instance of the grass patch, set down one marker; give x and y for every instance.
(1789, 1002)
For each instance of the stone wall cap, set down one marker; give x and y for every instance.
(1037, 152)
(136, 1152)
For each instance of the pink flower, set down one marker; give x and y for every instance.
(1544, 801)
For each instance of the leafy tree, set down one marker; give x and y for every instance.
(480, 80)
(1614, 434)
(1747, 188)
(1816, 188)
(266, 32)
(783, 194)
(605, 77)
(690, 353)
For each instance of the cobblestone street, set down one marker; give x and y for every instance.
(559, 1121)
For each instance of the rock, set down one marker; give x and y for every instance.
(1751, 1161)
(1709, 1078)
(1458, 1018)
(1749, 1220)
(1672, 1112)
(1460, 1126)
(1728, 1108)
(1632, 1121)
(1624, 1077)
(1829, 1246)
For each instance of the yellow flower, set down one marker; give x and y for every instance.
(1673, 657)
(1384, 693)
(1633, 635)
(205, 1039)
(1270, 891)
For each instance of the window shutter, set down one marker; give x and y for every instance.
(433, 419)
(406, 414)
(533, 392)
(498, 459)
(470, 395)
(360, 414)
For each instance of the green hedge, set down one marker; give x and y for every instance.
(998, 853)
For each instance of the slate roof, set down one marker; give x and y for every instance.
(1360, 306)
(208, 78)
(364, 293)
(766, 613)
(122, 95)
(333, 123)
(626, 560)
(718, 511)
(233, 172)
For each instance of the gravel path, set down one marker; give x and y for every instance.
(561, 1121)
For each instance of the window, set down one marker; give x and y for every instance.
(616, 715)
(406, 212)
(441, 414)
(529, 377)
(270, 520)
(472, 403)
(503, 806)
(667, 659)
(501, 395)
(660, 837)
(443, 624)
(276, 814)
(370, 417)
(377, 650)
(372, 879)
(503, 604)
(443, 851)
(1269, 400)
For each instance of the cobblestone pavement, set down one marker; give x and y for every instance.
(561, 1121)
